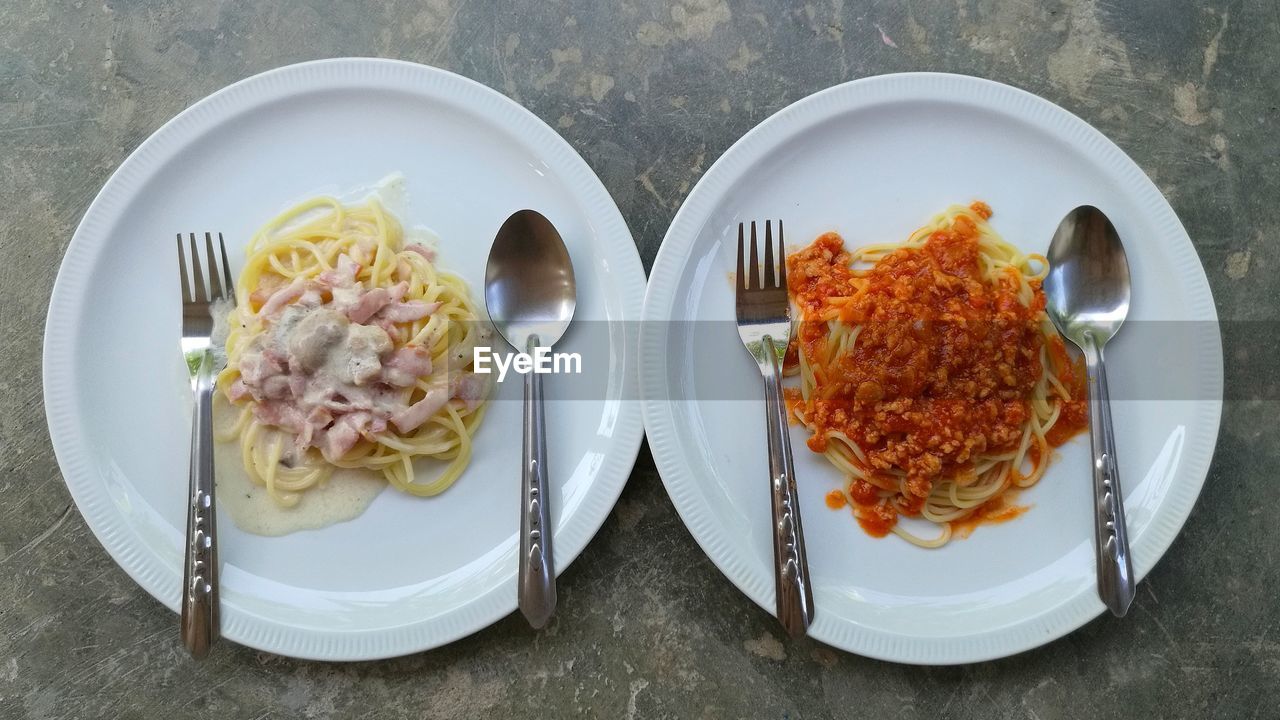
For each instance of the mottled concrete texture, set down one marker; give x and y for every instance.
(651, 94)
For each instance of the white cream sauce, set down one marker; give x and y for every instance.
(345, 496)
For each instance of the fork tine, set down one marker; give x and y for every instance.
(742, 278)
(782, 258)
(769, 281)
(197, 273)
(182, 272)
(754, 279)
(215, 283)
(229, 287)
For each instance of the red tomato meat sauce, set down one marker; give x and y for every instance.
(942, 370)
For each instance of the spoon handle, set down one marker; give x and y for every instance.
(537, 564)
(1116, 585)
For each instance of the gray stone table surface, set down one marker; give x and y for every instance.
(650, 94)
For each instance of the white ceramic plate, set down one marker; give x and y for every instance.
(874, 159)
(409, 574)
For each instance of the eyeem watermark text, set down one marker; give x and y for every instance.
(542, 362)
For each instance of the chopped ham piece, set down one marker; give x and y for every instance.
(311, 298)
(298, 384)
(283, 297)
(422, 250)
(406, 365)
(408, 311)
(470, 388)
(256, 366)
(276, 387)
(339, 439)
(280, 413)
(342, 399)
(390, 329)
(368, 305)
(267, 286)
(410, 418)
(344, 275)
(239, 391)
(345, 298)
(317, 421)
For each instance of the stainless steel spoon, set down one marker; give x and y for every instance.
(1088, 297)
(530, 294)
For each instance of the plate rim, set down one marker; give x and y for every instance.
(84, 479)
(675, 252)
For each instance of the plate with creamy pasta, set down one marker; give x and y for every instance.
(367, 470)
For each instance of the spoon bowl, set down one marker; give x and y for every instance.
(529, 288)
(1088, 286)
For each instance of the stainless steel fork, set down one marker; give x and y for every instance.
(200, 569)
(764, 324)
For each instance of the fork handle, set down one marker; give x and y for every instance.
(793, 593)
(200, 569)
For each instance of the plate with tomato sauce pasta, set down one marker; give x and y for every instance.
(937, 418)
